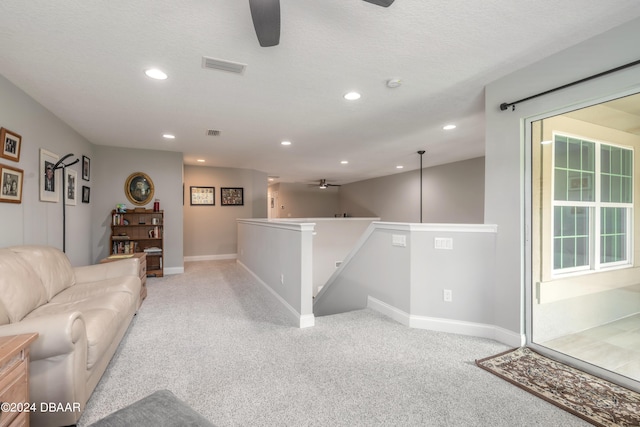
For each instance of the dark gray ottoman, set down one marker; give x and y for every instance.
(160, 409)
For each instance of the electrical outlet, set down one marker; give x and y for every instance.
(447, 295)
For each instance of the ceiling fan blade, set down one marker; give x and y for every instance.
(383, 3)
(266, 21)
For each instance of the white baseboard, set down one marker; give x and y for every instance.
(300, 320)
(173, 270)
(210, 257)
(447, 325)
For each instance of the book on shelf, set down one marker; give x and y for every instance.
(117, 237)
(153, 250)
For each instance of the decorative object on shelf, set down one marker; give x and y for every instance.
(86, 193)
(71, 187)
(11, 144)
(139, 188)
(203, 196)
(121, 208)
(49, 191)
(86, 168)
(11, 180)
(232, 196)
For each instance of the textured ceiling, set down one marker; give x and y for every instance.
(84, 61)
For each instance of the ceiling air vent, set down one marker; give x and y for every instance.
(220, 64)
(213, 132)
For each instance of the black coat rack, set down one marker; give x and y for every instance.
(63, 166)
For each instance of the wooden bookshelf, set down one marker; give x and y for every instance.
(139, 230)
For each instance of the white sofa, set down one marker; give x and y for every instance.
(80, 314)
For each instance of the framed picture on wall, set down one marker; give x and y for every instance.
(232, 196)
(203, 196)
(11, 180)
(11, 144)
(71, 187)
(86, 168)
(86, 193)
(49, 178)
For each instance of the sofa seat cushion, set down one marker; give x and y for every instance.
(21, 290)
(80, 291)
(102, 317)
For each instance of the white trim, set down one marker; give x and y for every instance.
(463, 228)
(173, 270)
(302, 321)
(274, 223)
(210, 257)
(388, 310)
(447, 325)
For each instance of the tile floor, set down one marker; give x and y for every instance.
(614, 346)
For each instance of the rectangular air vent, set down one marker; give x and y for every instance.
(220, 64)
(213, 132)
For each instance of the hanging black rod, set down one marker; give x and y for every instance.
(506, 105)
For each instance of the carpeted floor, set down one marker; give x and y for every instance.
(220, 342)
(598, 401)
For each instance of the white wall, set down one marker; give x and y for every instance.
(210, 232)
(452, 193)
(33, 221)
(111, 166)
(505, 164)
(295, 200)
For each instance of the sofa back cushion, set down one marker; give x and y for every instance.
(51, 265)
(21, 290)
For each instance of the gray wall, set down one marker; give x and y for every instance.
(33, 221)
(295, 200)
(111, 166)
(505, 164)
(210, 231)
(452, 193)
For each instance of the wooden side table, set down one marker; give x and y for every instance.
(14, 380)
(142, 270)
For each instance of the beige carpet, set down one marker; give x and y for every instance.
(593, 399)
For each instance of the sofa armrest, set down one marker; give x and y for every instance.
(58, 333)
(109, 270)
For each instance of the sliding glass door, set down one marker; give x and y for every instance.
(584, 302)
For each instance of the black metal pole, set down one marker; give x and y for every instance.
(421, 152)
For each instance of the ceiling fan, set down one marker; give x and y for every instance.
(266, 19)
(324, 184)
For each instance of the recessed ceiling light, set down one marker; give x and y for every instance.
(200, 160)
(270, 179)
(154, 73)
(399, 167)
(285, 143)
(352, 96)
(394, 83)
(448, 127)
(345, 162)
(169, 136)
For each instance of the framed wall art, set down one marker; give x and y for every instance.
(71, 187)
(11, 145)
(203, 196)
(232, 196)
(139, 188)
(86, 168)
(11, 180)
(49, 178)
(86, 193)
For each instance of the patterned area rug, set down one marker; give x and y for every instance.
(591, 398)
